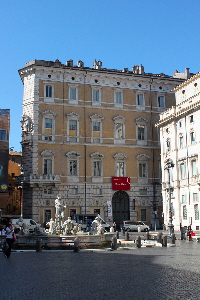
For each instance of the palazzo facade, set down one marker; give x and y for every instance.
(89, 137)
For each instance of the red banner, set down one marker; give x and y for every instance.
(121, 183)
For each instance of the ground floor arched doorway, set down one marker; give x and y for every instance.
(120, 207)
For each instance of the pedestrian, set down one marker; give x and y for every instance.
(10, 235)
(114, 226)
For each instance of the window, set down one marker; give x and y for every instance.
(195, 197)
(72, 212)
(194, 167)
(192, 137)
(73, 191)
(96, 164)
(97, 211)
(73, 93)
(142, 169)
(95, 95)
(72, 168)
(49, 91)
(96, 168)
(47, 191)
(181, 141)
(191, 119)
(118, 97)
(196, 212)
(143, 212)
(48, 130)
(143, 192)
(48, 160)
(96, 128)
(184, 212)
(141, 132)
(140, 99)
(120, 166)
(97, 191)
(48, 123)
(73, 131)
(3, 135)
(182, 171)
(72, 127)
(119, 131)
(161, 101)
(183, 199)
(47, 166)
(120, 169)
(180, 124)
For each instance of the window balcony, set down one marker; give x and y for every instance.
(40, 180)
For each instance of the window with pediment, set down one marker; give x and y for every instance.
(120, 165)
(48, 125)
(47, 162)
(73, 127)
(96, 128)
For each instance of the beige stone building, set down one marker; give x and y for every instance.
(180, 139)
(89, 136)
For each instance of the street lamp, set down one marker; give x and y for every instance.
(168, 165)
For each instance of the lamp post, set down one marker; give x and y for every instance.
(168, 165)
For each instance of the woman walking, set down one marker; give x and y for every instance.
(9, 238)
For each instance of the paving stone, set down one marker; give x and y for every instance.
(146, 273)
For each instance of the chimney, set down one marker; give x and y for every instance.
(80, 64)
(69, 63)
(97, 64)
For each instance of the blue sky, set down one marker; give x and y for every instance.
(162, 35)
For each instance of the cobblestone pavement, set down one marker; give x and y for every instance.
(146, 273)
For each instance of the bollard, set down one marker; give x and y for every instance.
(38, 245)
(123, 229)
(117, 232)
(138, 241)
(159, 237)
(114, 243)
(147, 235)
(173, 239)
(126, 236)
(164, 241)
(76, 245)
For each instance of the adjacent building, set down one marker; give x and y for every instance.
(89, 137)
(4, 156)
(180, 156)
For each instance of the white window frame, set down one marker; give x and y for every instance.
(158, 101)
(94, 101)
(72, 156)
(48, 155)
(116, 93)
(184, 212)
(195, 197)
(97, 158)
(95, 118)
(194, 167)
(74, 87)
(182, 170)
(140, 106)
(141, 122)
(119, 120)
(48, 114)
(196, 211)
(119, 159)
(142, 162)
(72, 117)
(46, 97)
